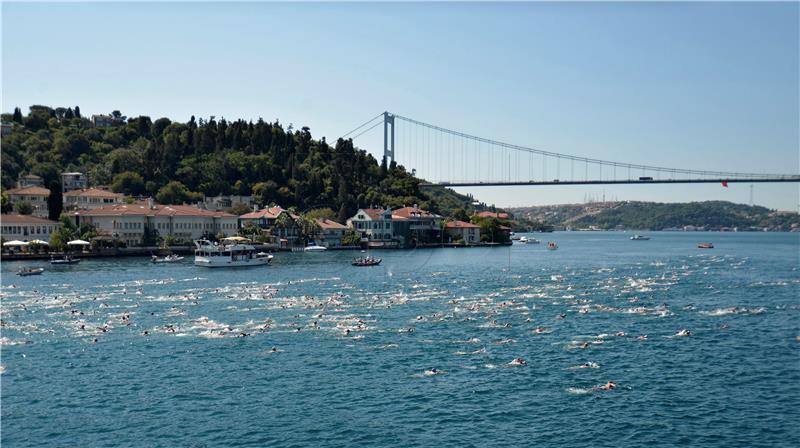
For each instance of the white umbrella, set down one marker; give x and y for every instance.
(15, 243)
(79, 243)
(44, 243)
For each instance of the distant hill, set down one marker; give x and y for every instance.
(709, 215)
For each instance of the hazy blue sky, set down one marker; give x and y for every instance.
(709, 86)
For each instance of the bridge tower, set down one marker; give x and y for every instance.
(388, 139)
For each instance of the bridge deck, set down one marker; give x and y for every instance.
(611, 182)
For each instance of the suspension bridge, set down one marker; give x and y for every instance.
(444, 157)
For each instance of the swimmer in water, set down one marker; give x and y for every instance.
(584, 345)
(620, 333)
(433, 371)
(518, 362)
(642, 337)
(540, 330)
(683, 332)
(608, 386)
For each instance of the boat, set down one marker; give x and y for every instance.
(172, 258)
(523, 240)
(705, 245)
(66, 260)
(533, 241)
(366, 261)
(315, 248)
(30, 271)
(552, 246)
(515, 237)
(228, 253)
(640, 238)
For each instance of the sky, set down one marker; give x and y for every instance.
(710, 86)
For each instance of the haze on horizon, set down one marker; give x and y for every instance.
(685, 85)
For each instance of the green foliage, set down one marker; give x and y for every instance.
(351, 238)
(6, 203)
(175, 192)
(23, 208)
(180, 161)
(239, 209)
(128, 183)
(321, 213)
(491, 229)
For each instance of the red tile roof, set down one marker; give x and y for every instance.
(373, 213)
(461, 225)
(268, 212)
(30, 190)
(141, 209)
(328, 224)
(94, 192)
(412, 213)
(24, 219)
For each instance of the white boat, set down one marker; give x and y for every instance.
(24, 272)
(172, 258)
(228, 253)
(515, 237)
(315, 248)
(533, 241)
(640, 238)
(66, 260)
(523, 240)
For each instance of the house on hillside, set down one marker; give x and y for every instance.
(26, 227)
(413, 225)
(36, 196)
(30, 180)
(73, 181)
(90, 198)
(330, 233)
(267, 219)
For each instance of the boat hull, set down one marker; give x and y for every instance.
(225, 262)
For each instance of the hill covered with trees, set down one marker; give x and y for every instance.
(179, 162)
(710, 215)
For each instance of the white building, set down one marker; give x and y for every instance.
(36, 196)
(73, 181)
(127, 222)
(217, 203)
(26, 228)
(90, 199)
(330, 233)
(374, 224)
(467, 232)
(30, 180)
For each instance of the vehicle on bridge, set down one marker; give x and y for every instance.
(646, 178)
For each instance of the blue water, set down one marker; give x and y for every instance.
(735, 381)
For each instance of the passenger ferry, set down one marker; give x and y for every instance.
(230, 252)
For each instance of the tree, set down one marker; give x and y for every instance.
(239, 209)
(55, 202)
(17, 115)
(77, 112)
(175, 192)
(129, 183)
(24, 207)
(321, 213)
(6, 204)
(460, 214)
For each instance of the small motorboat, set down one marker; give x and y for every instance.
(366, 261)
(172, 258)
(515, 237)
(552, 246)
(265, 255)
(523, 240)
(66, 260)
(533, 241)
(30, 271)
(640, 238)
(315, 248)
(705, 245)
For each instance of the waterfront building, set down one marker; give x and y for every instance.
(30, 180)
(374, 225)
(128, 222)
(73, 181)
(26, 227)
(36, 196)
(414, 225)
(285, 230)
(467, 232)
(330, 233)
(90, 199)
